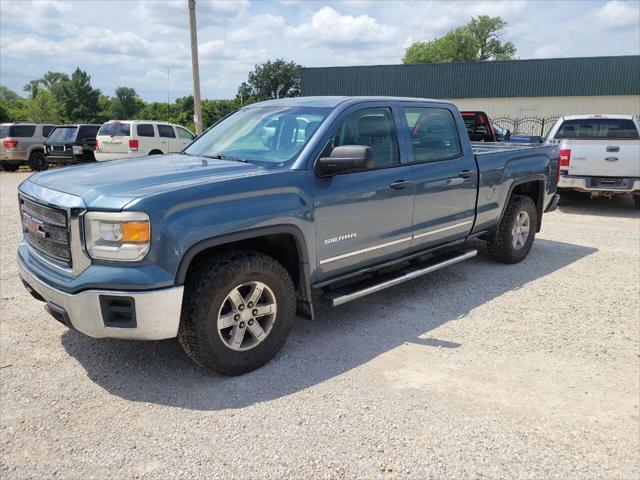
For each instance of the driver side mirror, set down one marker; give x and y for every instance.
(345, 158)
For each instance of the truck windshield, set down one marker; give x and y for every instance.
(598, 128)
(63, 134)
(271, 136)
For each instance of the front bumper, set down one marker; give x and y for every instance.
(155, 313)
(599, 184)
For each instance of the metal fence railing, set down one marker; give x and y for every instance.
(527, 125)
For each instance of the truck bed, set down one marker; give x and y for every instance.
(482, 148)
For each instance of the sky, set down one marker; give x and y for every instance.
(145, 44)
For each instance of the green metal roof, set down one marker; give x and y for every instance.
(555, 77)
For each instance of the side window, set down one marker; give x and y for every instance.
(46, 130)
(23, 131)
(145, 130)
(373, 127)
(88, 131)
(166, 131)
(184, 133)
(433, 133)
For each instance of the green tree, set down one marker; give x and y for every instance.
(50, 79)
(478, 40)
(80, 101)
(44, 108)
(126, 103)
(11, 105)
(32, 88)
(277, 79)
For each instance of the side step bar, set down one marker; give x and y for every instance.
(348, 293)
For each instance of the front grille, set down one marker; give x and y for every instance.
(58, 148)
(46, 229)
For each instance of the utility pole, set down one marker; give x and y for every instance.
(197, 106)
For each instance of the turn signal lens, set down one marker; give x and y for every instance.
(135, 232)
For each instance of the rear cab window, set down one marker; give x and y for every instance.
(166, 131)
(597, 129)
(433, 132)
(115, 129)
(145, 130)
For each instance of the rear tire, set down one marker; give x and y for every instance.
(513, 238)
(38, 162)
(636, 201)
(9, 166)
(221, 329)
(155, 152)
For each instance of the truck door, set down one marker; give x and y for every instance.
(363, 217)
(445, 176)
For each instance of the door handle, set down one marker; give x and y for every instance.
(613, 149)
(465, 174)
(400, 184)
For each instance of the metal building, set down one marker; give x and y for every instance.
(523, 95)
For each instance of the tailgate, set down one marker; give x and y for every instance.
(116, 144)
(604, 158)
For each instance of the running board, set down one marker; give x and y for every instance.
(348, 293)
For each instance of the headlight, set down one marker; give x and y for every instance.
(119, 236)
(77, 149)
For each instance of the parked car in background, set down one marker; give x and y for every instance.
(68, 144)
(502, 134)
(22, 143)
(139, 138)
(479, 126)
(599, 154)
(221, 245)
(524, 139)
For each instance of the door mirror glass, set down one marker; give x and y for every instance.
(344, 159)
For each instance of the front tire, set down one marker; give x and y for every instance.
(238, 311)
(38, 162)
(513, 238)
(636, 201)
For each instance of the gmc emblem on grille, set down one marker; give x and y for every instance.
(33, 225)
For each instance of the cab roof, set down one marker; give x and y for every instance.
(332, 102)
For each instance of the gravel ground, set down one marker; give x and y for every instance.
(479, 370)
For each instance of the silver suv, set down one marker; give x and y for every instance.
(22, 143)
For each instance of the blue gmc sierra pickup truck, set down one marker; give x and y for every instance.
(278, 205)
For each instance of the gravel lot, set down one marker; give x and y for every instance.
(479, 370)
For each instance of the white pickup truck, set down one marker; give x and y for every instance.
(599, 154)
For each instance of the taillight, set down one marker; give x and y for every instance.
(133, 144)
(97, 145)
(563, 164)
(10, 143)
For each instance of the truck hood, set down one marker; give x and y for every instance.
(111, 185)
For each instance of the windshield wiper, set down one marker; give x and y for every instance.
(222, 156)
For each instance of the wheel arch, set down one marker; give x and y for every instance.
(531, 186)
(285, 243)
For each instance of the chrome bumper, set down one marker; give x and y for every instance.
(582, 184)
(156, 312)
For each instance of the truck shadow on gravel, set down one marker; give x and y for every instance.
(337, 341)
(579, 203)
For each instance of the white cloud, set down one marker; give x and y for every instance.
(328, 27)
(133, 42)
(620, 14)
